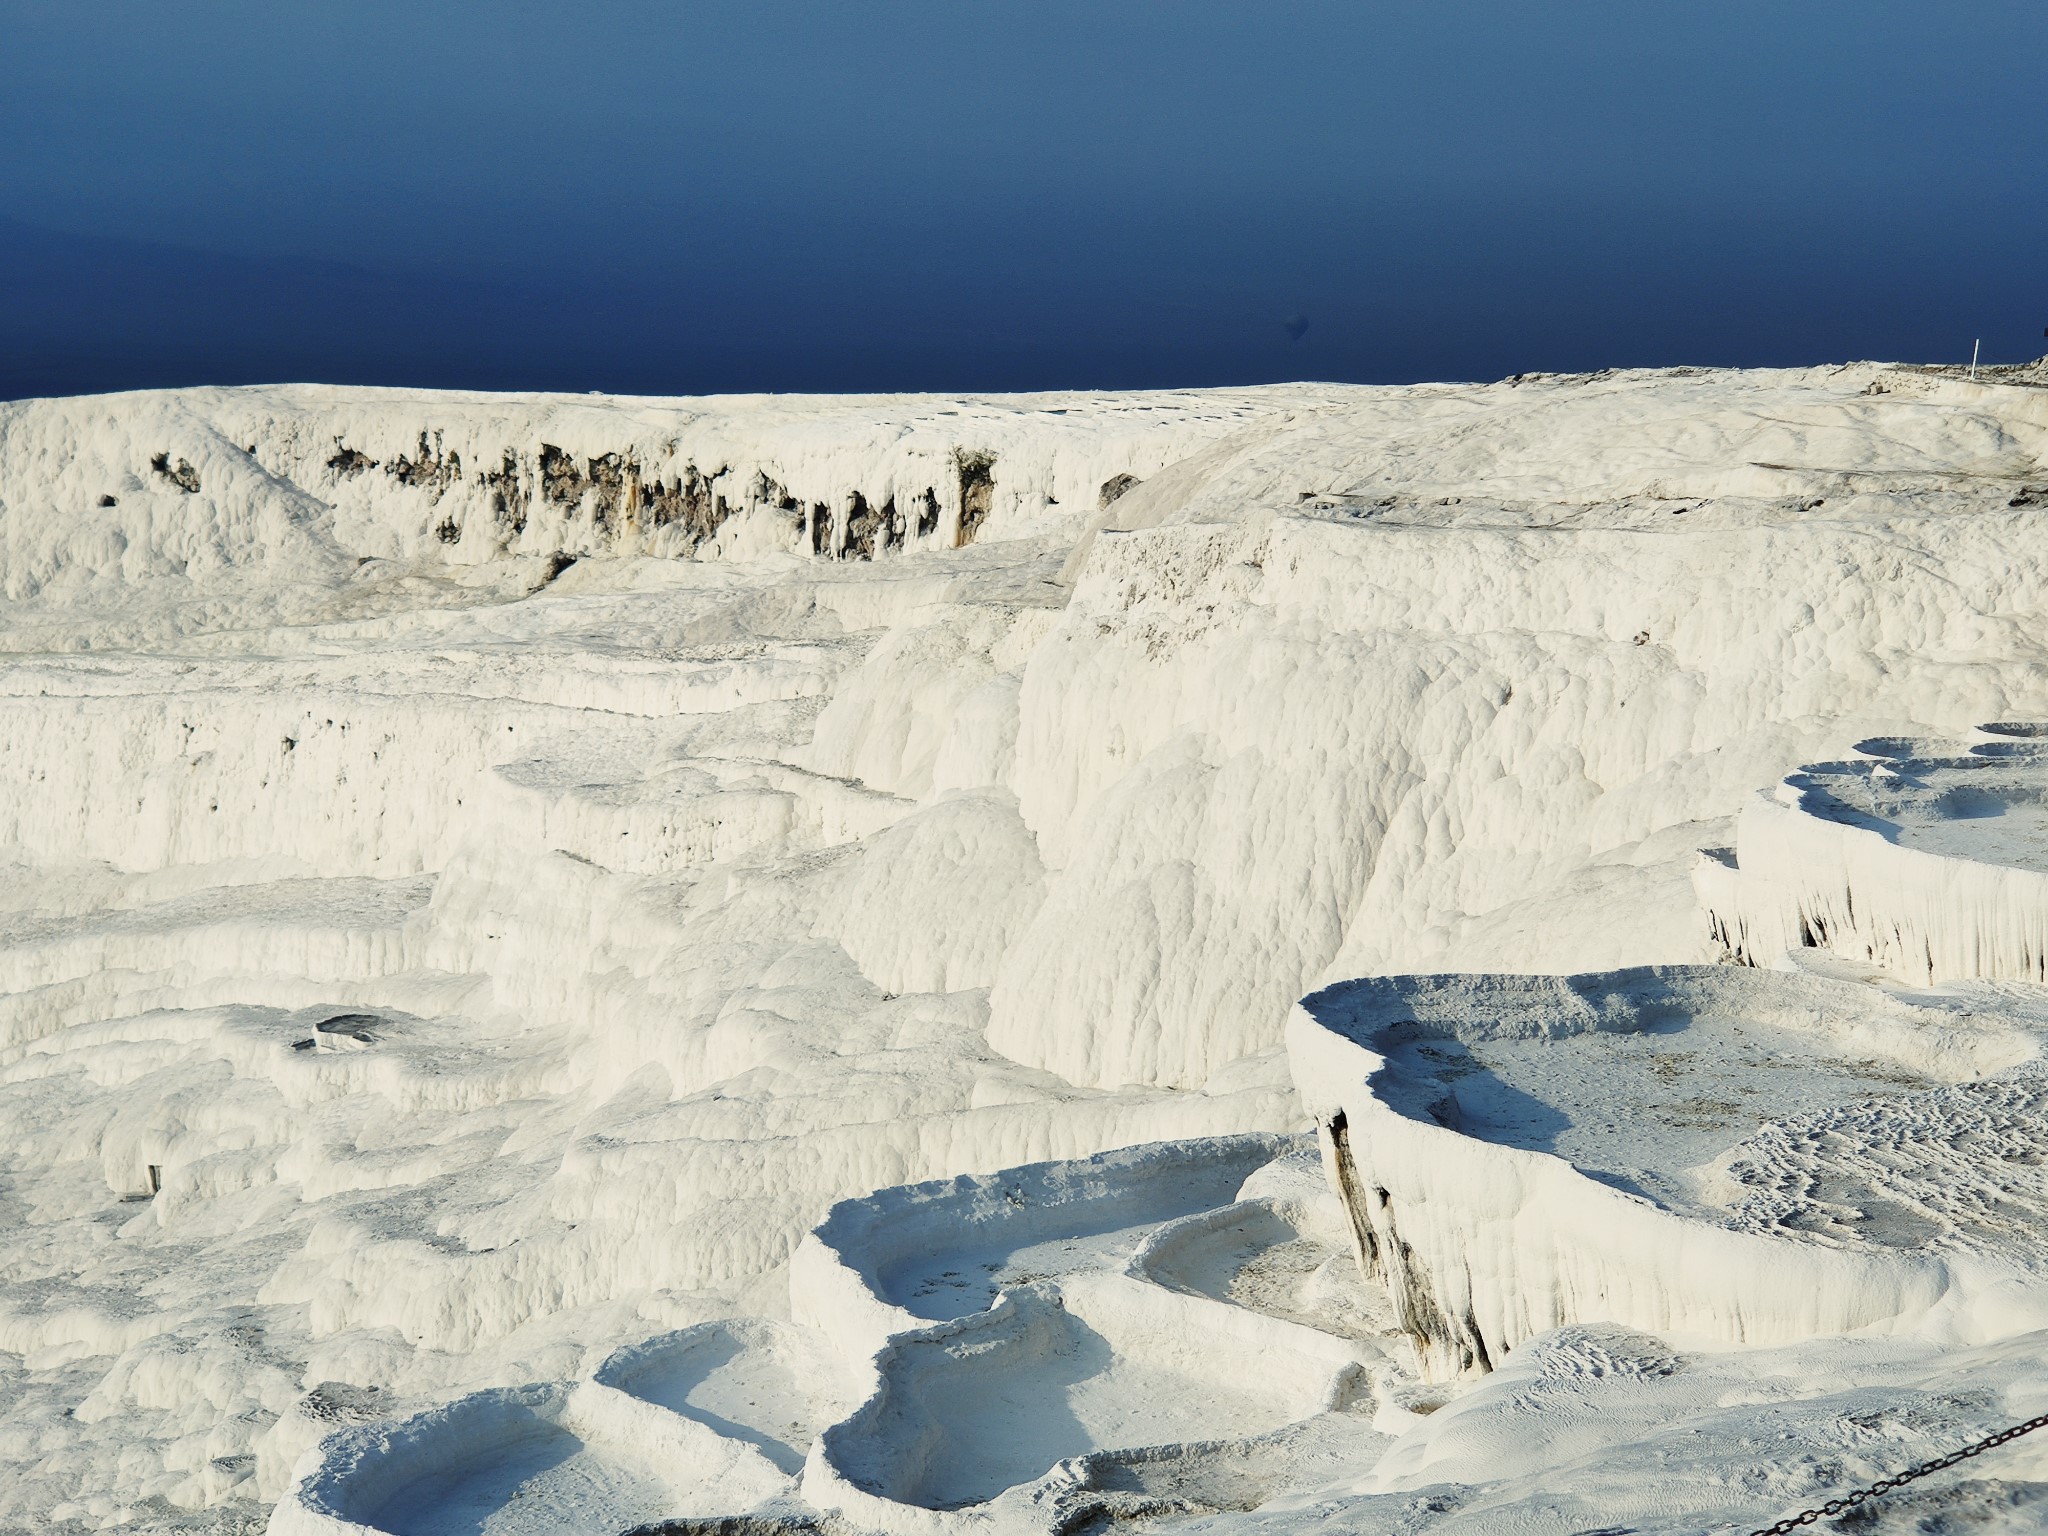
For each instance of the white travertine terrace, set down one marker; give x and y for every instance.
(1519, 1153)
(1931, 864)
(1122, 1337)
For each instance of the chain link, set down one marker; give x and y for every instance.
(1849, 1501)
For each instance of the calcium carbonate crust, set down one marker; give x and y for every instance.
(485, 875)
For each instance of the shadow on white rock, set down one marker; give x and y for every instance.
(545, 1458)
(1028, 1404)
(1068, 1341)
(901, 1258)
(754, 1381)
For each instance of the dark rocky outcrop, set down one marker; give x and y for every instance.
(347, 462)
(359, 1027)
(1113, 490)
(622, 498)
(508, 496)
(869, 529)
(614, 482)
(183, 475)
(742, 1525)
(1387, 1259)
(692, 499)
(977, 490)
(432, 471)
(562, 481)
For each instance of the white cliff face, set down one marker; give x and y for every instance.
(433, 966)
(1322, 737)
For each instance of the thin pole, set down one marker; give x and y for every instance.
(1973, 357)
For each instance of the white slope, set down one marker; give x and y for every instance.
(764, 857)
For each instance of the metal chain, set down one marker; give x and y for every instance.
(1849, 1501)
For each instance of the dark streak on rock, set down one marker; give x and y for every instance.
(508, 497)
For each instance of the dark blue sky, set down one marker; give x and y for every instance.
(839, 196)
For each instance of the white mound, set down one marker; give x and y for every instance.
(899, 789)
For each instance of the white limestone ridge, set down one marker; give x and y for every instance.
(573, 962)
